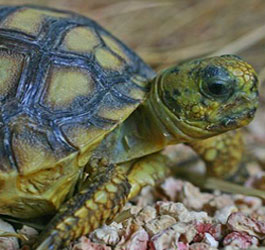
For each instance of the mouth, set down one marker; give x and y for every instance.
(234, 121)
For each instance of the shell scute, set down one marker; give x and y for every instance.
(108, 60)
(114, 46)
(81, 39)
(29, 20)
(65, 83)
(66, 87)
(30, 146)
(82, 134)
(77, 85)
(11, 66)
(115, 107)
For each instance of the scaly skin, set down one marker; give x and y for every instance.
(222, 154)
(100, 199)
(187, 103)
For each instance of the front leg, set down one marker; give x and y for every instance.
(222, 154)
(100, 199)
(148, 171)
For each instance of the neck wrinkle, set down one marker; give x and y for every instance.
(165, 120)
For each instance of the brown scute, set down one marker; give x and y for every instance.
(115, 113)
(11, 66)
(114, 46)
(67, 84)
(80, 40)
(112, 108)
(32, 150)
(29, 21)
(130, 90)
(82, 135)
(108, 60)
(31, 153)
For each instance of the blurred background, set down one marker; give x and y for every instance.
(165, 32)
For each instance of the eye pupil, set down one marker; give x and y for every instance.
(217, 88)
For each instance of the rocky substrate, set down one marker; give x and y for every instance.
(176, 215)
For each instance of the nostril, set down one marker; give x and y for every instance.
(246, 98)
(243, 97)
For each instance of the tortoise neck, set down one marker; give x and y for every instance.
(149, 129)
(162, 121)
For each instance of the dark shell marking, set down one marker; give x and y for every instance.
(71, 83)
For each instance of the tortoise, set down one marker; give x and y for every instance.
(84, 119)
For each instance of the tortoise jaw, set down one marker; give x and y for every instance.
(236, 113)
(205, 129)
(233, 121)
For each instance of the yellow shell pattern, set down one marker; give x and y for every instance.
(65, 83)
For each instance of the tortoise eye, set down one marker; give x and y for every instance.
(217, 88)
(214, 88)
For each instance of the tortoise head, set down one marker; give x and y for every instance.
(206, 97)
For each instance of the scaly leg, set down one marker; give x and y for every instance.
(148, 171)
(100, 199)
(222, 154)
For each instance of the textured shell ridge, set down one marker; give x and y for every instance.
(68, 93)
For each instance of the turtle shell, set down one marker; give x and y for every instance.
(65, 82)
